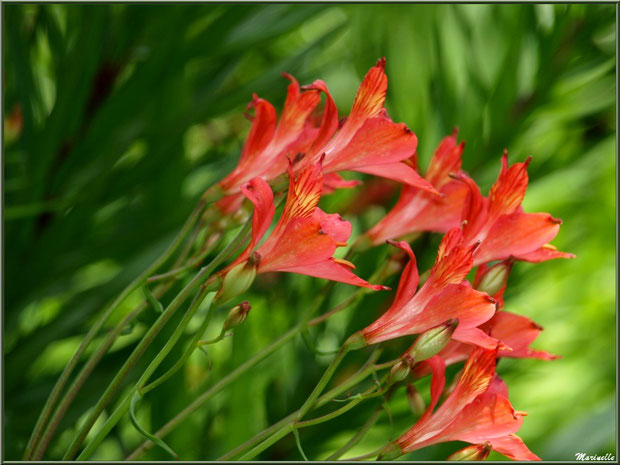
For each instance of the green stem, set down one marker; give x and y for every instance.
(181, 416)
(94, 330)
(124, 405)
(358, 436)
(150, 336)
(188, 352)
(90, 365)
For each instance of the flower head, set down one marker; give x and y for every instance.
(477, 411)
(305, 238)
(444, 295)
(418, 210)
(368, 141)
(501, 225)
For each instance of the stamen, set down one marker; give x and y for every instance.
(344, 262)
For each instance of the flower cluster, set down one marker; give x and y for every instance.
(489, 234)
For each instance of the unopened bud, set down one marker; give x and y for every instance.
(495, 278)
(238, 279)
(432, 341)
(416, 401)
(237, 315)
(399, 372)
(390, 452)
(474, 452)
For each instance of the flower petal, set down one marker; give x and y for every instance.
(508, 191)
(261, 134)
(378, 141)
(297, 107)
(333, 270)
(446, 160)
(517, 332)
(368, 103)
(333, 181)
(488, 416)
(517, 234)
(475, 336)
(513, 447)
(301, 243)
(399, 172)
(329, 123)
(544, 253)
(333, 224)
(260, 194)
(475, 210)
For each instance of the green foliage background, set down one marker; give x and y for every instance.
(130, 111)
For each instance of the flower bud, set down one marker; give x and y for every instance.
(416, 401)
(399, 372)
(495, 278)
(473, 452)
(237, 315)
(390, 452)
(238, 279)
(432, 341)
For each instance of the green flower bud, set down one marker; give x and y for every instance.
(238, 279)
(416, 401)
(237, 315)
(399, 371)
(474, 452)
(432, 341)
(495, 278)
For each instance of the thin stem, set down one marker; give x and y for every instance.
(124, 405)
(188, 352)
(90, 365)
(365, 428)
(94, 329)
(150, 336)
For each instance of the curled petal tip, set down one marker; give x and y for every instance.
(527, 161)
(520, 413)
(381, 63)
(380, 287)
(537, 326)
(501, 347)
(555, 220)
(455, 131)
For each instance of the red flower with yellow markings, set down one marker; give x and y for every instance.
(501, 225)
(305, 238)
(417, 210)
(477, 411)
(444, 295)
(368, 141)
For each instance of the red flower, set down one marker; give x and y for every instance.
(305, 238)
(476, 411)
(515, 331)
(500, 224)
(368, 141)
(417, 210)
(444, 295)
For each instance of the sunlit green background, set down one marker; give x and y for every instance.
(130, 111)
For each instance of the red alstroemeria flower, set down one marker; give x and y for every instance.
(501, 225)
(368, 141)
(417, 210)
(477, 411)
(444, 295)
(305, 238)
(516, 331)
